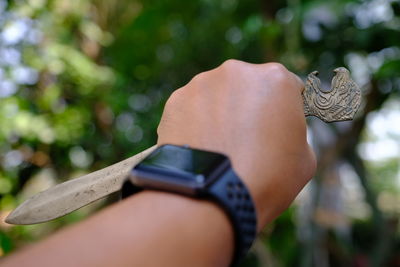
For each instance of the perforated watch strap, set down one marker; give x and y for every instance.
(235, 198)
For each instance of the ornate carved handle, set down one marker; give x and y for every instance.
(339, 104)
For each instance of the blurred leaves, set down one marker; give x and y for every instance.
(389, 69)
(82, 85)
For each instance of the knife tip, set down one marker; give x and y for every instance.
(11, 218)
(18, 216)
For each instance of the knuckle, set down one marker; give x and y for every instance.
(198, 78)
(277, 70)
(173, 99)
(279, 74)
(310, 164)
(231, 64)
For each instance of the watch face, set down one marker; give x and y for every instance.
(181, 165)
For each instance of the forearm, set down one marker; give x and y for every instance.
(149, 229)
(251, 113)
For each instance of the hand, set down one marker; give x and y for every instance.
(253, 114)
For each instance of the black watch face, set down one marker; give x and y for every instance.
(181, 165)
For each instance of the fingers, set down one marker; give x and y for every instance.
(299, 82)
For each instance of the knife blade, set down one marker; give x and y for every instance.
(66, 197)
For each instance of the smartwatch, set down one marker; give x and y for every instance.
(199, 174)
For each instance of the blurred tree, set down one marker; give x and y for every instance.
(82, 85)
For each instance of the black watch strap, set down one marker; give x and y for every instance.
(236, 200)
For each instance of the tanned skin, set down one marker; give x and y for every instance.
(253, 114)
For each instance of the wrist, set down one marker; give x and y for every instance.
(256, 186)
(274, 184)
(207, 242)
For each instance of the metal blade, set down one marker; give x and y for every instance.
(66, 197)
(339, 104)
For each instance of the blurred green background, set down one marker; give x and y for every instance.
(83, 84)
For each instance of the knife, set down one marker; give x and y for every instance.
(340, 103)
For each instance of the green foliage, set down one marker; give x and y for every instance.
(282, 240)
(83, 83)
